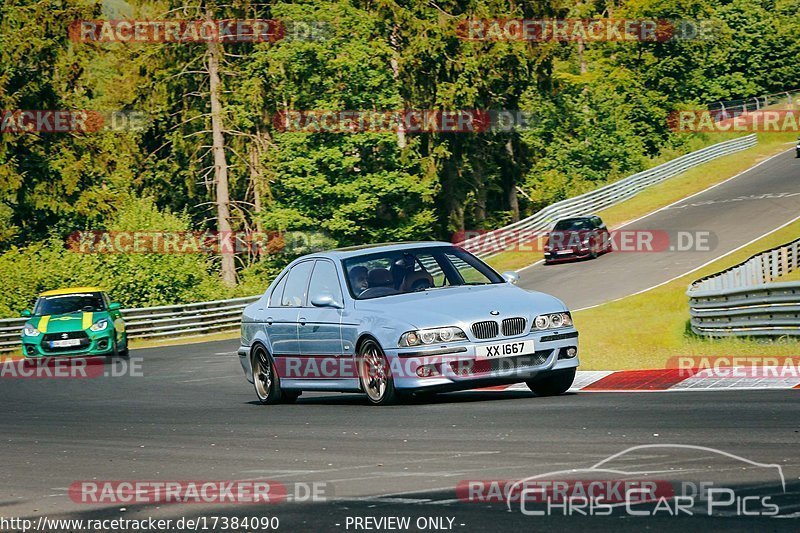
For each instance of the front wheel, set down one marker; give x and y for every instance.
(553, 384)
(124, 352)
(265, 379)
(375, 374)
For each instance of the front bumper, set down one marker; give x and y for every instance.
(457, 366)
(100, 343)
(555, 256)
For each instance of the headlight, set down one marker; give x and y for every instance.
(552, 321)
(431, 336)
(100, 325)
(30, 331)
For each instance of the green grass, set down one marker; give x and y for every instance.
(671, 190)
(193, 339)
(649, 329)
(794, 275)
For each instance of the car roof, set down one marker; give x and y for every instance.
(353, 251)
(73, 290)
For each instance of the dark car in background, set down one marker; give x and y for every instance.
(577, 238)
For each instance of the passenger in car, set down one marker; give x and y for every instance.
(358, 279)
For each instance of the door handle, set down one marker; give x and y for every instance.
(269, 320)
(302, 321)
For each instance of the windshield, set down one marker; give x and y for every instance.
(69, 303)
(573, 224)
(414, 269)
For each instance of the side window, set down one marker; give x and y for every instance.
(277, 293)
(294, 293)
(325, 280)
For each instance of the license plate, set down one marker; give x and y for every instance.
(507, 349)
(562, 252)
(65, 343)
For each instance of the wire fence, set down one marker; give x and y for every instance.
(726, 110)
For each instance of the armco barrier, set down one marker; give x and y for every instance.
(158, 322)
(744, 301)
(526, 230)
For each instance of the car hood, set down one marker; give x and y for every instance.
(67, 322)
(466, 304)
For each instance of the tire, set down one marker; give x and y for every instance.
(553, 384)
(375, 374)
(265, 380)
(124, 353)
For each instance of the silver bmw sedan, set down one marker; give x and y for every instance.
(403, 319)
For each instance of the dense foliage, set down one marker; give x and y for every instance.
(599, 114)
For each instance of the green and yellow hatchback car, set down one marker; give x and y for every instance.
(77, 321)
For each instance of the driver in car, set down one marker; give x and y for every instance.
(358, 279)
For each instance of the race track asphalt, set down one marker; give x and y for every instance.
(731, 214)
(187, 413)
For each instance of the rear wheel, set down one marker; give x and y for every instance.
(553, 384)
(265, 380)
(375, 374)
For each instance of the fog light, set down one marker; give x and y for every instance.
(102, 344)
(568, 353)
(426, 371)
(30, 350)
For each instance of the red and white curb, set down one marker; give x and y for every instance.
(675, 379)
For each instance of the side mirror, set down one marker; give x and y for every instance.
(26, 313)
(325, 300)
(510, 276)
(114, 306)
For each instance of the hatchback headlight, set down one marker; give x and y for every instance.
(422, 337)
(100, 325)
(552, 321)
(30, 331)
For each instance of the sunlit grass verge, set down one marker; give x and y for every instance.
(670, 191)
(794, 275)
(648, 329)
